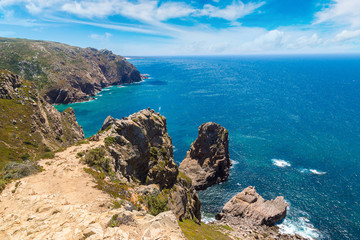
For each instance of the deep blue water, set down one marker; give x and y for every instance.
(304, 110)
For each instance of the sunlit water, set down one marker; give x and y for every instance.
(294, 128)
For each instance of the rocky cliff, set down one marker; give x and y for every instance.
(207, 162)
(141, 152)
(63, 73)
(30, 128)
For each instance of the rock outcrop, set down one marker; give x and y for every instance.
(29, 126)
(142, 151)
(64, 73)
(249, 205)
(207, 162)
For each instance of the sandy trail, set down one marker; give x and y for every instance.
(62, 203)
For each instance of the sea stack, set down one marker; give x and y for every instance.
(208, 162)
(249, 206)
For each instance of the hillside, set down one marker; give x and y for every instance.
(30, 128)
(64, 73)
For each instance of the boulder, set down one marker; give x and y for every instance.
(249, 205)
(207, 162)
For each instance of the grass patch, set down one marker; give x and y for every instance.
(47, 155)
(115, 188)
(194, 231)
(84, 141)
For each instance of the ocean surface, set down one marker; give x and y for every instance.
(293, 122)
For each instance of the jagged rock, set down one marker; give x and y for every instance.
(184, 201)
(142, 151)
(143, 148)
(207, 162)
(249, 205)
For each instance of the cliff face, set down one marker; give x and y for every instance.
(207, 162)
(64, 73)
(142, 151)
(29, 126)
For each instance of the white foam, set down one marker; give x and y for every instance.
(313, 171)
(301, 226)
(234, 162)
(280, 163)
(207, 219)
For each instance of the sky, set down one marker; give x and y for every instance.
(189, 27)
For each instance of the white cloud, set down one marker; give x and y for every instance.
(347, 35)
(99, 37)
(231, 12)
(33, 6)
(341, 12)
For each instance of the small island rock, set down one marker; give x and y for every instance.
(249, 205)
(207, 162)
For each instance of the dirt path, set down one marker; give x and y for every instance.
(62, 203)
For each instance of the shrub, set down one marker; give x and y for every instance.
(25, 156)
(15, 170)
(109, 141)
(80, 154)
(157, 204)
(96, 158)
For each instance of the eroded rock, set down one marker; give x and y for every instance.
(207, 162)
(249, 205)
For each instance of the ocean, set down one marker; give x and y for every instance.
(293, 122)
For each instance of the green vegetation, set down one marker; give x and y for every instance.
(194, 231)
(183, 176)
(84, 141)
(15, 170)
(114, 222)
(96, 158)
(46, 155)
(80, 154)
(109, 141)
(114, 188)
(157, 204)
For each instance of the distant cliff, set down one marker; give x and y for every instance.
(63, 73)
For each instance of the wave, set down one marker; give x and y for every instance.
(301, 226)
(312, 171)
(207, 218)
(280, 163)
(234, 162)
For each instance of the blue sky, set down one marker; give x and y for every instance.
(203, 27)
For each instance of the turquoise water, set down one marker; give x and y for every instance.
(293, 121)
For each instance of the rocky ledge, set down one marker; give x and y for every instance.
(207, 162)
